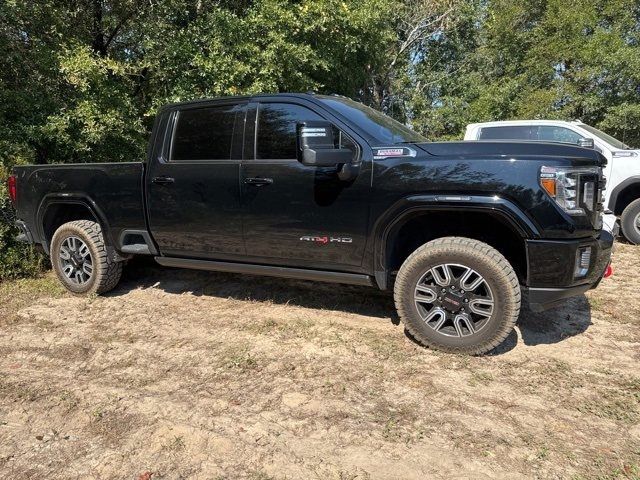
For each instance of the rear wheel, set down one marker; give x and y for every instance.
(458, 295)
(80, 260)
(630, 222)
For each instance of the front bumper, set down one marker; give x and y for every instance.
(610, 224)
(541, 299)
(551, 269)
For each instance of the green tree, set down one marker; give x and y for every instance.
(81, 81)
(539, 59)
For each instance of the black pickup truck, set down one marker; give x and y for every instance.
(323, 188)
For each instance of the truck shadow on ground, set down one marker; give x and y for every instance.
(571, 318)
(568, 319)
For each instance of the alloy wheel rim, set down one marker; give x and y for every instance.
(454, 300)
(636, 223)
(75, 260)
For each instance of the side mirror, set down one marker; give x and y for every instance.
(316, 147)
(586, 143)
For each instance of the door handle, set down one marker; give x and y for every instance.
(258, 181)
(163, 180)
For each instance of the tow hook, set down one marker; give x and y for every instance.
(608, 271)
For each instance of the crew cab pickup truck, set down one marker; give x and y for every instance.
(622, 172)
(323, 188)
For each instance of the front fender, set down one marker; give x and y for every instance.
(415, 204)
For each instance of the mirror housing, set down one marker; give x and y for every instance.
(316, 147)
(586, 143)
(325, 157)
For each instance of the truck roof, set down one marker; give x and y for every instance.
(525, 122)
(306, 95)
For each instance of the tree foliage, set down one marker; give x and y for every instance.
(81, 80)
(538, 59)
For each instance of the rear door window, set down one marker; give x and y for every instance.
(205, 133)
(510, 132)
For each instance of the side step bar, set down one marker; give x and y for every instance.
(252, 269)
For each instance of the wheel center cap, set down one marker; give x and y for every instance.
(452, 301)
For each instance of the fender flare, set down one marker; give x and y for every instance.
(399, 211)
(615, 193)
(69, 199)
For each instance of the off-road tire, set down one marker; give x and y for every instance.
(628, 222)
(106, 272)
(484, 259)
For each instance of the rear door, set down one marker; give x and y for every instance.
(299, 215)
(193, 186)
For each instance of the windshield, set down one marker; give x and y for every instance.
(607, 138)
(378, 125)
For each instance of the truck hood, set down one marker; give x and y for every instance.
(507, 148)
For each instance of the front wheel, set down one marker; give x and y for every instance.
(630, 222)
(80, 260)
(458, 295)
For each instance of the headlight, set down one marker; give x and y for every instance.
(573, 188)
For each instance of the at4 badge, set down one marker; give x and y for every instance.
(323, 240)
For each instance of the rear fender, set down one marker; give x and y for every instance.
(70, 199)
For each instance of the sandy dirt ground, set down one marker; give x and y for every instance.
(182, 374)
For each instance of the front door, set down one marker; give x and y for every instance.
(297, 215)
(193, 190)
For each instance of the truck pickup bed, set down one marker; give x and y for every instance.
(113, 192)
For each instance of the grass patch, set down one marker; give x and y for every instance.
(239, 359)
(480, 379)
(605, 300)
(612, 406)
(175, 444)
(16, 294)
(286, 329)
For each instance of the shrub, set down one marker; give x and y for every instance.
(16, 259)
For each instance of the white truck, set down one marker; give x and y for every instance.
(622, 193)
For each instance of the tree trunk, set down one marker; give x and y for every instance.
(99, 45)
